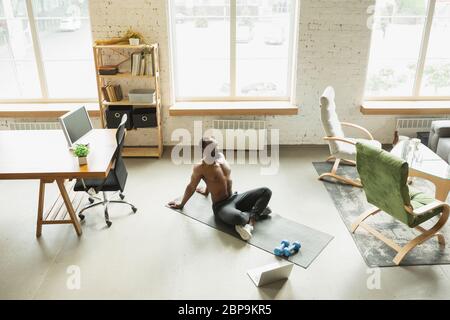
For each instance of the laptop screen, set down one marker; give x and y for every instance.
(76, 124)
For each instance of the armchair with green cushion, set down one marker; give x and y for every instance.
(384, 179)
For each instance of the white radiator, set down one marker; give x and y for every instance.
(410, 126)
(240, 134)
(34, 126)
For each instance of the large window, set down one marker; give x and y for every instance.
(46, 50)
(410, 51)
(232, 49)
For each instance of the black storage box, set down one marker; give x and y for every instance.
(144, 117)
(114, 115)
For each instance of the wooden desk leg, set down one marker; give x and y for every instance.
(70, 210)
(40, 208)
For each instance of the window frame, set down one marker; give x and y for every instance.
(232, 97)
(40, 68)
(424, 45)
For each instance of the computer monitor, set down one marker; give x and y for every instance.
(75, 125)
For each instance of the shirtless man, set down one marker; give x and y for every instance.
(239, 210)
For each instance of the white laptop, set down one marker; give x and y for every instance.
(271, 273)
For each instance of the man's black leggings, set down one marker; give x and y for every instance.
(240, 208)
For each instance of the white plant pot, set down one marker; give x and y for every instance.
(82, 161)
(134, 41)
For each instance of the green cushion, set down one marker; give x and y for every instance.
(418, 200)
(384, 178)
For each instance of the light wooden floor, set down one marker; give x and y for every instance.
(159, 254)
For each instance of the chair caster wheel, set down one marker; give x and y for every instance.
(81, 216)
(108, 223)
(134, 209)
(122, 196)
(91, 200)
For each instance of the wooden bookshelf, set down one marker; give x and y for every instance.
(144, 151)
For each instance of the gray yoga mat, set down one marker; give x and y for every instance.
(268, 232)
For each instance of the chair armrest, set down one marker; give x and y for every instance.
(352, 125)
(431, 206)
(339, 139)
(441, 128)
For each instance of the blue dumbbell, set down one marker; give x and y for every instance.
(292, 249)
(279, 251)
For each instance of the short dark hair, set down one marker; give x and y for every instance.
(210, 144)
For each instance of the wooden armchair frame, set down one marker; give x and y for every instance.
(337, 161)
(425, 234)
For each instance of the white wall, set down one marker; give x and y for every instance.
(333, 50)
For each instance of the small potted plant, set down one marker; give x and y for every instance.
(134, 41)
(81, 151)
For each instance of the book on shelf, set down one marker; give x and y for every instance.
(148, 64)
(142, 68)
(105, 93)
(112, 93)
(141, 64)
(118, 93)
(108, 70)
(136, 63)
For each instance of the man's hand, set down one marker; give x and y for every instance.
(175, 205)
(203, 191)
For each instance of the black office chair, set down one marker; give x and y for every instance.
(114, 182)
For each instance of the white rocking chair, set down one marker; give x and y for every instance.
(342, 148)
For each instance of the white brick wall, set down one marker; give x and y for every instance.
(333, 50)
